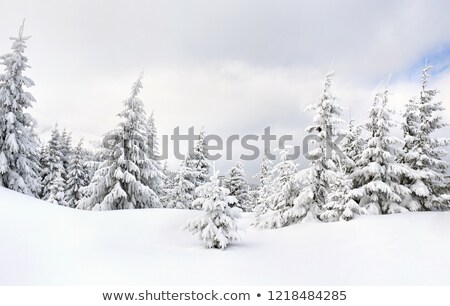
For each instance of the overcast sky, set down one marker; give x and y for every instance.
(234, 67)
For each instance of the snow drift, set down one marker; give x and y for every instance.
(45, 244)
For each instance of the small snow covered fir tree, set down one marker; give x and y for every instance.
(193, 172)
(284, 190)
(264, 190)
(423, 153)
(77, 177)
(53, 184)
(156, 177)
(341, 204)
(66, 150)
(19, 145)
(122, 179)
(198, 162)
(152, 137)
(181, 194)
(43, 152)
(169, 178)
(353, 146)
(378, 174)
(237, 184)
(218, 226)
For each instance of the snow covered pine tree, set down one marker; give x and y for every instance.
(19, 146)
(263, 191)
(198, 162)
(284, 190)
(121, 181)
(193, 172)
(66, 150)
(156, 179)
(181, 194)
(315, 182)
(423, 154)
(378, 174)
(53, 184)
(217, 227)
(237, 184)
(77, 177)
(353, 146)
(169, 179)
(341, 199)
(341, 204)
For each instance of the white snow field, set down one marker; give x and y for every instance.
(44, 244)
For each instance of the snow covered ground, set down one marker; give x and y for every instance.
(42, 244)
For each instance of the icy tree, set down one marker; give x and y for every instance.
(156, 176)
(284, 190)
(193, 172)
(53, 184)
(253, 194)
(353, 146)
(423, 152)
(19, 146)
(121, 181)
(181, 194)
(91, 160)
(315, 181)
(77, 177)
(152, 137)
(264, 190)
(341, 204)
(218, 226)
(378, 174)
(66, 150)
(237, 184)
(169, 178)
(198, 162)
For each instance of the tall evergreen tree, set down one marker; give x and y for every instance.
(121, 179)
(77, 177)
(423, 152)
(53, 184)
(237, 184)
(19, 145)
(218, 226)
(316, 180)
(378, 173)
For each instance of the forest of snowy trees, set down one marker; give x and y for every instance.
(376, 173)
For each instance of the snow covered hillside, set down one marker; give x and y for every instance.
(42, 244)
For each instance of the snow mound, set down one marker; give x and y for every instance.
(44, 244)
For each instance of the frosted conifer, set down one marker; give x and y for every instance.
(19, 145)
(218, 226)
